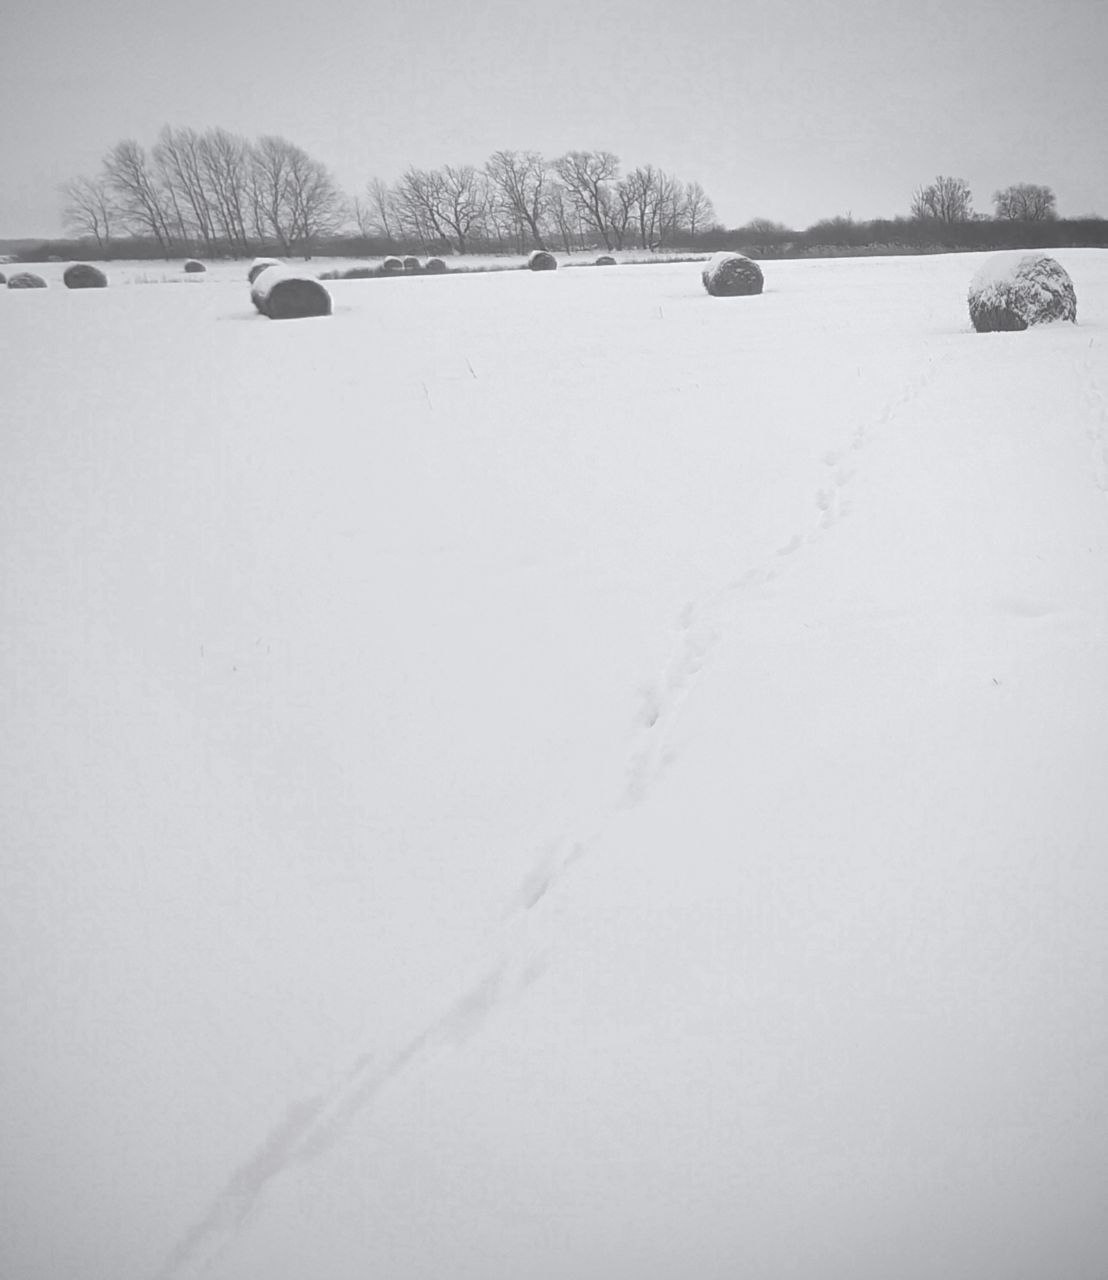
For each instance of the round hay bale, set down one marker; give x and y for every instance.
(392, 267)
(411, 266)
(259, 265)
(83, 275)
(731, 275)
(3, 278)
(1009, 294)
(540, 260)
(259, 290)
(434, 267)
(283, 294)
(193, 267)
(605, 260)
(26, 280)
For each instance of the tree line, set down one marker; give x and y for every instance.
(941, 218)
(216, 192)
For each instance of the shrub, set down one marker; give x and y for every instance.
(281, 294)
(259, 265)
(392, 267)
(411, 266)
(434, 267)
(83, 275)
(26, 280)
(540, 260)
(192, 266)
(605, 260)
(731, 275)
(1011, 293)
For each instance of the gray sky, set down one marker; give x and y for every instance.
(788, 109)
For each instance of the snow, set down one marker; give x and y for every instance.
(598, 783)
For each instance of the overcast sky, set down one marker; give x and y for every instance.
(788, 109)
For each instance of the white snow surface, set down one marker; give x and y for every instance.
(555, 779)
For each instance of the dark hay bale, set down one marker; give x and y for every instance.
(3, 278)
(434, 267)
(731, 275)
(83, 275)
(392, 267)
(1008, 294)
(283, 295)
(259, 265)
(193, 267)
(605, 260)
(26, 280)
(540, 260)
(411, 266)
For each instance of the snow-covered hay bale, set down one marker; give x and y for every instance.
(411, 266)
(434, 267)
(605, 260)
(731, 275)
(259, 265)
(280, 293)
(258, 290)
(26, 280)
(193, 267)
(1010, 293)
(392, 267)
(83, 275)
(540, 260)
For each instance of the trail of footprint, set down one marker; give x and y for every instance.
(312, 1125)
(703, 622)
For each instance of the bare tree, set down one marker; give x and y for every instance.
(270, 179)
(654, 198)
(945, 200)
(696, 209)
(560, 210)
(1026, 202)
(315, 203)
(88, 211)
(382, 211)
(419, 200)
(134, 184)
(225, 169)
(295, 199)
(588, 177)
(464, 197)
(521, 186)
(178, 156)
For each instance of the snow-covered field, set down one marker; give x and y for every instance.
(555, 776)
(223, 271)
